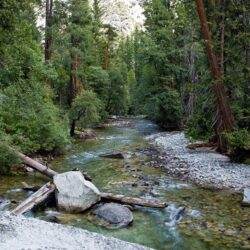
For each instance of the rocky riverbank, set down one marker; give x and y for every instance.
(202, 166)
(18, 232)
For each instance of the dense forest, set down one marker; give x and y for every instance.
(188, 69)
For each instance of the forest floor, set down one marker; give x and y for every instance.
(202, 166)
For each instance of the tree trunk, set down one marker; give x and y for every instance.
(74, 81)
(37, 198)
(222, 39)
(48, 34)
(224, 120)
(48, 31)
(36, 165)
(132, 201)
(75, 84)
(72, 128)
(106, 56)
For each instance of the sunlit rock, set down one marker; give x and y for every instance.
(74, 193)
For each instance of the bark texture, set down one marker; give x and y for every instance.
(224, 120)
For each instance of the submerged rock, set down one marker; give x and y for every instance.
(115, 214)
(246, 198)
(116, 155)
(85, 135)
(74, 193)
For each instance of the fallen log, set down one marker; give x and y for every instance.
(132, 201)
(36, 165)
(38, 197)
(43, 193)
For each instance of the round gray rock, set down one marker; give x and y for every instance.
(115, 214)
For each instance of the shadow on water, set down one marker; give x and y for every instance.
(195, 218)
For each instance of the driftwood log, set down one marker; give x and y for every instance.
(35, 199)
(36, 165)
(43, 193)
(132, 201)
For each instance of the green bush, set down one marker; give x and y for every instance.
(165, 109)
(31, 120)
(85, 110)
(238, 140)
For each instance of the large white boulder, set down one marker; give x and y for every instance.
(74, 193)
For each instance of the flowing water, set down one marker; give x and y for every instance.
(195, 218)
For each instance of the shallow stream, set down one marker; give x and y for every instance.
(196, 218)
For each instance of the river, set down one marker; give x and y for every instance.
(196, 218)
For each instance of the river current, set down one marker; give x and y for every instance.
(195, 218)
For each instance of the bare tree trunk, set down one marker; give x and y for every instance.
(132, 200)
(191, 69)
(224, 120)
(222, 40)
(75, 84)
(76, 87)
(72, 128)
(36, 165)
(35, 199)
(106, 56)
(48, 34)
(48, 31)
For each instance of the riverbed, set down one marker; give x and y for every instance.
(196, 218)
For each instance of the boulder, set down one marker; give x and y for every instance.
(115, 214)
(246, 198)
(116, 155)
(74, 193)
(85, 134)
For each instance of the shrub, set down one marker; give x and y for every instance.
(85, 110)
(238, 140)
(31, 120)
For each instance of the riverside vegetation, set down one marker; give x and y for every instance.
(87, 72)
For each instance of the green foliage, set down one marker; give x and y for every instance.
(7, 157)
(161, 72)
(85, 110)
(31, 119)
(117, 99)
(165, 109)
(239, 139)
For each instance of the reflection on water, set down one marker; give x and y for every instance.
(195, 218)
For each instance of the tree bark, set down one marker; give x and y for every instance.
(75, 84)
(48, 29)
(222, 39)
(48, 35)
(132, 201)
(36, 165)
(224, 120)
(37, 198)
(72, 128)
